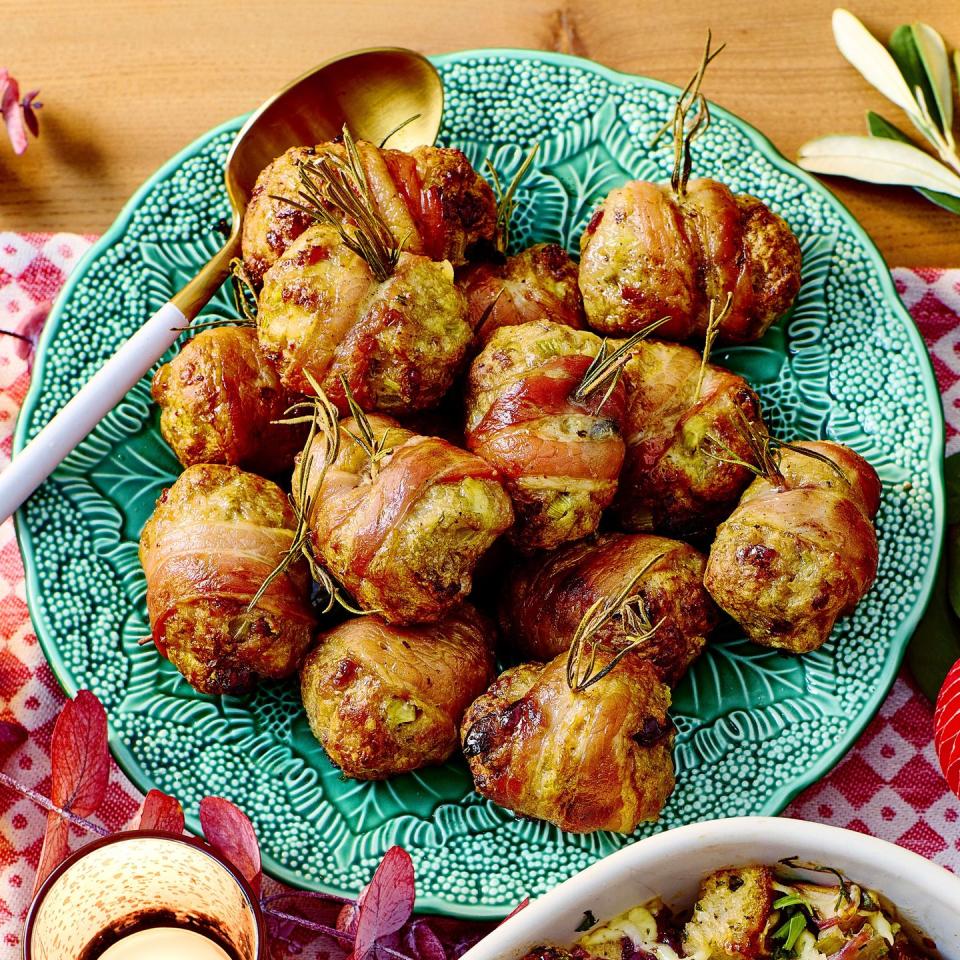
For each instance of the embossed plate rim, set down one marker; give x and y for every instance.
(897, 643)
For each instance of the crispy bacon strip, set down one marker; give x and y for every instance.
(419, 464)
(404, 533)
(796, 555)
(559, 455)
(219, 559)
(598, 759)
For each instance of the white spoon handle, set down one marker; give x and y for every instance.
(95, 400)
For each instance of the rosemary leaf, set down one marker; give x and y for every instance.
(632, 611)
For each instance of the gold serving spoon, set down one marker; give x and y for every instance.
(375, 92)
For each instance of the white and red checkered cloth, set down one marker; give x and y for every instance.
(888, 785)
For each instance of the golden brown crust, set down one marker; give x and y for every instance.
(546, 597)
(456, 208)
(405, 541)
(432, 200)
(385, 699)
(791, 560)
(647, 254)
(220, 399)
(731, 916)
(598, 759)
(212, 540)
(669, 483)
(271, 225)
(559, 457)
(399, 343)
(539, 283)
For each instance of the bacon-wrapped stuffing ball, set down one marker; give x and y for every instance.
(386, 699)
(800, 550)
(649, 252)
(594, 759)
(546, 598)
(399, 342)
(434, 202)
(220, 399)
(668, 482)
(403, 535)
(540, 283)
(270, 224)
(559, 455)
(212, 540)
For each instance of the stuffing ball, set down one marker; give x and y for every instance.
(220, 399)
(213, 539)
(385, 699)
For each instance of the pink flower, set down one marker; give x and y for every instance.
(18, 115)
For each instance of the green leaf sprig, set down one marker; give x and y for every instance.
(607, 367)
(505, 198)
(324, 423)
(764, 452)
(691, 117)
(627, 606)
(916, 74)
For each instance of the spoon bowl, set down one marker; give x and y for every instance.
(374, 92)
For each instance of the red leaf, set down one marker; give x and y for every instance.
(160, 812)
(56, 848)
(525, 902)
(12, 111)
(231, 834)
(80, 772)
(80, 764)
(386, 903)
(422, 943)
(12, 735)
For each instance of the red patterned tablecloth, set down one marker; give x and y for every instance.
(888, 785)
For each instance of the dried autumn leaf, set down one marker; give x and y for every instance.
(229, 831)
(872, 59)
(387, 902)
(877, 161)
(12, 111)
(161, 812)
(421, 942)
(12, 735)
(80, 772)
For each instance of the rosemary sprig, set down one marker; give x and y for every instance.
(366, 439)
(322, 416)
(334, 190)
(843, 896)
(765, 452)
(713, 328)
(633, 614)
(398, 128)
(505, 202)
(244, 292)
(686, 126)
(609, 366)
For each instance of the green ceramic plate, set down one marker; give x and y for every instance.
(755, 726)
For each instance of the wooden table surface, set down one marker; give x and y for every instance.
(126, 84)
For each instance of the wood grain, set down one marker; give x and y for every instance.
(125, 85)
